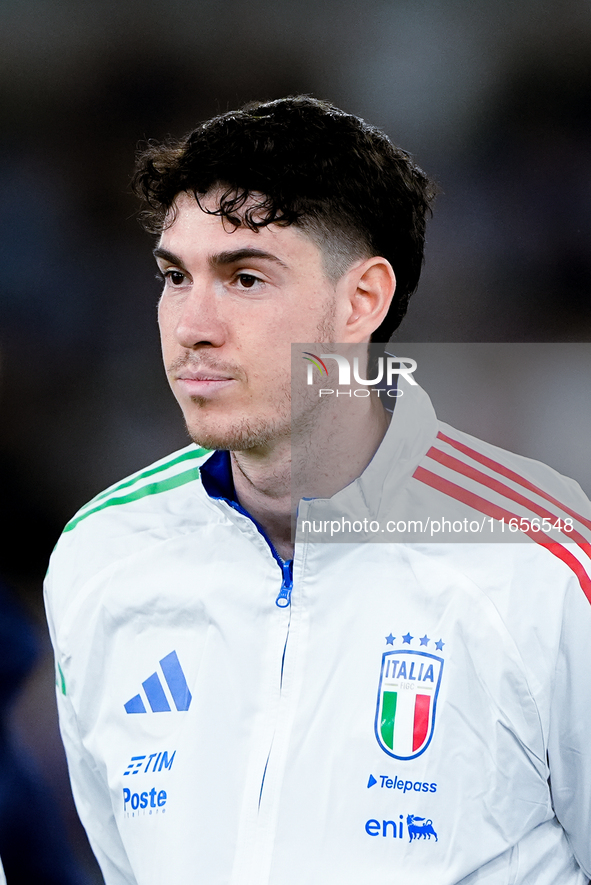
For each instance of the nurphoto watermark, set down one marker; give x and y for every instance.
(427, 482)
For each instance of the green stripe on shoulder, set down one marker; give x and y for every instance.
(189, 455)
(165, 485)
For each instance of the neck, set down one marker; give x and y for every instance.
(332, 451)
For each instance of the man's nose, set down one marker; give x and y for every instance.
(199, 322)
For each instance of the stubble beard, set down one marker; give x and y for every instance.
(259, 432)
(246, 433)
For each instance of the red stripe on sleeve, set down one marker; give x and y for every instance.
(510, 474)
(502, 489)
(489, 509)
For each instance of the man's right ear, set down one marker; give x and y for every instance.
(370, 287)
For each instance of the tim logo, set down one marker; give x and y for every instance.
(155, 691)
(407, 702)
(386, 368)
(158, 761)
(419, 828)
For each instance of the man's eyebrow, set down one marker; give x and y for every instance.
(222, 258)
(167, 256)
(231, 257)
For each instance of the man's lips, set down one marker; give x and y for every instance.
(202, 383)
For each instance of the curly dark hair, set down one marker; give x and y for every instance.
(306, 163)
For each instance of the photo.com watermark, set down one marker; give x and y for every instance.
(387, 370)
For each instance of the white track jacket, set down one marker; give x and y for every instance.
(406, 712)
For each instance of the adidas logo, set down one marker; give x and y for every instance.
(155, 693)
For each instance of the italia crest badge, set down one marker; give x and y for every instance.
(407, 702)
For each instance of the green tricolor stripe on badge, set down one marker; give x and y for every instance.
(165, 485)
(388, 717)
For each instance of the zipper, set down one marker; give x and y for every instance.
(244, 858)
(217, 484)
(282, 601)
(284, 597)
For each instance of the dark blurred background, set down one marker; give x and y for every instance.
(492, 99)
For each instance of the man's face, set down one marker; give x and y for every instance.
(233, 302)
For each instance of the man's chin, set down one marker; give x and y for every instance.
(238, 438)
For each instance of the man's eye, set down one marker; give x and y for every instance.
(247, 280)
(173, 278)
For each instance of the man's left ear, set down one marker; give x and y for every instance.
(371, 288)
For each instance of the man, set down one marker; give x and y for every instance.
(239, 710)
